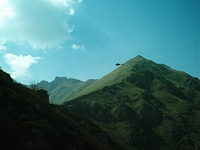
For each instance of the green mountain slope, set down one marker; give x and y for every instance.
(145, 105)
(62, 89)
(136, 64)
(112, 78)
(28, 121)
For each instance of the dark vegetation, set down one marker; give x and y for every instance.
(28, 122)
(146, 106)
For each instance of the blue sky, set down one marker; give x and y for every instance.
(42, 39)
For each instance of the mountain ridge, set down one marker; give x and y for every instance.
(148, 106)
(135, 64)
(141, 105)
(68, 91)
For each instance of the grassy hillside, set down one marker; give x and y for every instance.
(112, 78)
(28, 122)
(136, 64)
(145, 105)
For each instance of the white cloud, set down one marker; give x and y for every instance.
(5, 10)
(72, 11)
(19, 65)
(76, 47)
(2, 46)
(41, 23)
(65, 3)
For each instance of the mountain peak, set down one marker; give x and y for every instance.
(148, 101)
(136, 59)
(117, 75)
(132, 66)
(139, 56)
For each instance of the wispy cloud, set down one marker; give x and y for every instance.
(19, 65)
(71, 11)
(79, 1)
(42, 23)
(71, 29)
(76, 47)
(2, 46)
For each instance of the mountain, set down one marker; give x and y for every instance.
(144, 105)
(135, 65)
(28, 121)
(62, 89)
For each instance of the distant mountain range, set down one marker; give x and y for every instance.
(62, 89)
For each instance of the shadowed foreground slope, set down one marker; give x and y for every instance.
(145, 105)
(27, 121)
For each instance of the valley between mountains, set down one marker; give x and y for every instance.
(140, 105)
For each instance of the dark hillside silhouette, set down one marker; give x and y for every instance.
(28, 122)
